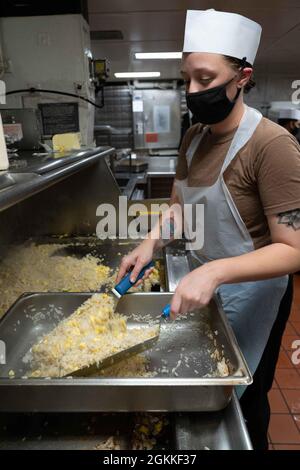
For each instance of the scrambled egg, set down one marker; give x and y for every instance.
(93, 332)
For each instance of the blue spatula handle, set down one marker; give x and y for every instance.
(166, 311)
(125, 284)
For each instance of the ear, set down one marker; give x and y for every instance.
(245, 76)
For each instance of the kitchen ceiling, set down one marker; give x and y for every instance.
(158, 26)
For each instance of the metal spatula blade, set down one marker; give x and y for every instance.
(115, 358)
(108, 361)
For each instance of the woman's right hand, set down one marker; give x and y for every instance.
(137, 259)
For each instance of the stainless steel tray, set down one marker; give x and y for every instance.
(75, 431)
(189, 391)
(221, 430)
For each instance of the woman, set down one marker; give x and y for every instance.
(246, 171)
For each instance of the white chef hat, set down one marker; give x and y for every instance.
(221, 33)
(290, 113)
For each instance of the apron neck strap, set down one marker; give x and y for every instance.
(249, 122)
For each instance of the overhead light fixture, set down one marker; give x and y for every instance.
(158, 55)
(137, 74)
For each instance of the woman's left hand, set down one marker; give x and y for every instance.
(195, 290)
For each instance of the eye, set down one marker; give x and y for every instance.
(205, 80)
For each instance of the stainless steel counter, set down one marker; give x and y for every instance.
(21, 182)
(129, 181)
(161, 166)
(41, 162)
(158, 167)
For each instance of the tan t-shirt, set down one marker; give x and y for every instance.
(263, 178)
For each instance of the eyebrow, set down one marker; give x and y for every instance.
(199, 69)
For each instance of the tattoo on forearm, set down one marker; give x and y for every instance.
(290, 219)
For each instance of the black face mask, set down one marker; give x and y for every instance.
(212, 105)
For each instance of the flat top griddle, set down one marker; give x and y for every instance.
(108, 252)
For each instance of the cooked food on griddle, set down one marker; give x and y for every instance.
(37, 268)
(45, 268)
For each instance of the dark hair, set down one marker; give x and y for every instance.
(285, 121)
(237, 64)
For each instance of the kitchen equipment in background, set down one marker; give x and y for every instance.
(59, 118)
(100, 73)
(163, 152)
(131, 166)
(156, 119)
(22, 127)
(3, 153)
(109, 132)
(37, 46)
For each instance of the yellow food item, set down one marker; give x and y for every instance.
(66, 141)
(63, 350)
(40, 268)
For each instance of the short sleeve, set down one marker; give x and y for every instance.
(278, 175)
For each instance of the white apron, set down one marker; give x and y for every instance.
(251, 307)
